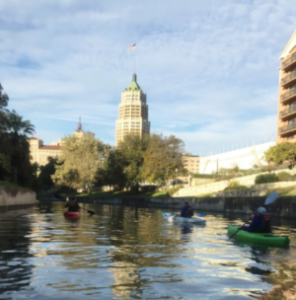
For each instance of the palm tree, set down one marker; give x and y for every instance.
(18, 130)
(19, 127)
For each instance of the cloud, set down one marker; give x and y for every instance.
(209, 69)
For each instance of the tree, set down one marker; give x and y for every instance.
(14, 147)
(281, 153)
(19, 127)
(5, 167)
(3, 103)
(79, 160)
(18, 131)
(131, 154)
(163, 157)
(44, 179)
(112, 171)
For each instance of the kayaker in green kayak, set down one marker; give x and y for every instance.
(260, 222)
(73, 205)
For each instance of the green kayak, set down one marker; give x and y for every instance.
(261, 238)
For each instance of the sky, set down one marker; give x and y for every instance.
(209, 68)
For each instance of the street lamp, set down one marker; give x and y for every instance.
(176, 172)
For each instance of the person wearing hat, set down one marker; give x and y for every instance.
(260, 222)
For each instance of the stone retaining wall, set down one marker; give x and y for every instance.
(283, 207)
(10, 196)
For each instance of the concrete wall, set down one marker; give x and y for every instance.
(221, 185)
(14, 196)
(244, 158)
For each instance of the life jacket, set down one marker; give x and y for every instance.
(265, 226)
(189, 212)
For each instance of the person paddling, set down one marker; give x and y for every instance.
(73, 205)
(260, 222)
(187, 211)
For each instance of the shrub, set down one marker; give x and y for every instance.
(284, 176)
(148, 188)
(197, 175)
(173, 190)
(233, 184)
(266, 178)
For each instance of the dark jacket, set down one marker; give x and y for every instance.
(73, 206)
(260, 224)
(187, 211)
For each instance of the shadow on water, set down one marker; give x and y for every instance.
(16, 270)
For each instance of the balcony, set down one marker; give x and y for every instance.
(288, 112)
(289, 63)
(287, 129)
(289, 80)
(289, 96)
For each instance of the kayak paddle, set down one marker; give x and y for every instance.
(270, 198)
(165, 214)
(200, 214)
(91, 212)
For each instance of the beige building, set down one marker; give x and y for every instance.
(191, 162)
(41, 152)
(133, 112)
(286, 125)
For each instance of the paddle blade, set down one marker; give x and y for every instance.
(91, 213)
(200, 215)
(164, 214)
(271, 198)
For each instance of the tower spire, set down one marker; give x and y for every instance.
(79, 124)
(135, 77)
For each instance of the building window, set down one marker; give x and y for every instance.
(291, 123)
(292, 107)
(290, 137)
(293, 90)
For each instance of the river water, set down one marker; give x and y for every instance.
(130, 253)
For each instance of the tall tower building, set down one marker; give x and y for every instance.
(286, 127)
(133, 112)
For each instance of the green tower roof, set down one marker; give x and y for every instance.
(134, 85)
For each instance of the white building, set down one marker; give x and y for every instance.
(244, 158)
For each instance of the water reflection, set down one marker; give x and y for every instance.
(130, 253)
(16, 270)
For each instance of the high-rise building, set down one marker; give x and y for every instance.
(133, 112)
(286, 126)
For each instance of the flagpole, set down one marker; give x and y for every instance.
(133, 47)
(135, 62)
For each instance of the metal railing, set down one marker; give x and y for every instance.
(288, 111)
(289, 60)
(288, 95)
(287, 128)
(289, 77)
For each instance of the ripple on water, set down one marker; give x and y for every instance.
(124, 253)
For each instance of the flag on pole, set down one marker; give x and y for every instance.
(132, 47)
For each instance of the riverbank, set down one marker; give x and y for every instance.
(283, 207)
(13, 195)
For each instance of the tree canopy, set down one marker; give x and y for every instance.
(163, 157)
(280, 153)
(112, 172)
(131, 154)
(14, 146)
(79, 160)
